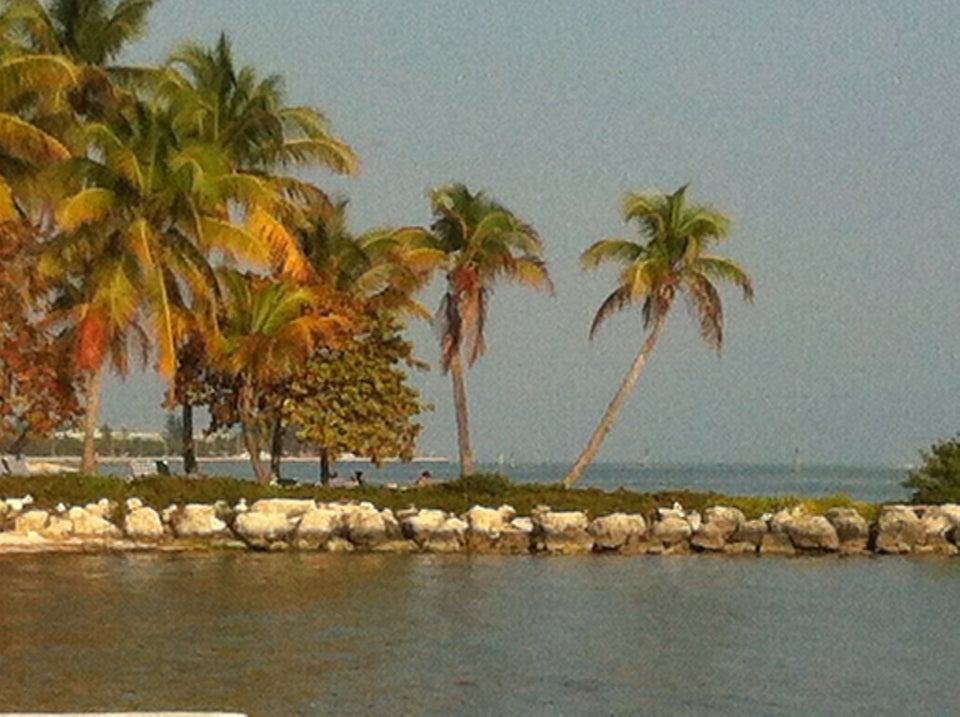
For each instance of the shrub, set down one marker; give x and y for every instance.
(492, 484)
(937, 480)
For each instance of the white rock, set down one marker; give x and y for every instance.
(289, 507)
(263, 527)
(87, 524)
(485, 520)
(196, 520)
(31, 521)
(143, 523)
(612, 532)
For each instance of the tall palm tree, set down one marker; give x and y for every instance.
(221, 105)
(145, 216)
(669, 258)
(477, 242)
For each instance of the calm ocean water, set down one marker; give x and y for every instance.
(874, 484)
(318, 634)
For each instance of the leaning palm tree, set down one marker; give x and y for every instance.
(669, 258)
(478, 242)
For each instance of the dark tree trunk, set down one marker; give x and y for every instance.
(189, 449)
(324, 465)
(276, 447)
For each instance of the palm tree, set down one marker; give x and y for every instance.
(268, 329)
(478, 242)
(669, 258)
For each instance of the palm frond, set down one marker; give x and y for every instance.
(25, 141)
(616, 251)
(721, 268)
(87, 206)
(708, 309)
(619, 299)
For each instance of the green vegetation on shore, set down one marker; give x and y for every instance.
(455, 496)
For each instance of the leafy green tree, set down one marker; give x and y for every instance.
(353, 397)
(477, 242)
(669, 258)
(937, 479)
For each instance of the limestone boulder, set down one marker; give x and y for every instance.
(485, 520)
(32, 521)
(561, 532)
(58, 528)
(263, 529)
(813, 532)
(852, 529)
(938, 533)
(484, 528)
(672, 530)
(319, 525)
(898, 530)
(364, 525)
(617, 531)
(750, 531)
(91, 525)
(143, 523)
(422, 525)
(197, 520)
(450, 538)
(725, 519)
(776, 543)
(709, 538)
(288, 507)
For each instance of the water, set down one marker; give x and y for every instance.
(316, 634)
(869, 483)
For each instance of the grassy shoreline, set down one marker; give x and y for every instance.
(454, 497)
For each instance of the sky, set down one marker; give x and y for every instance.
(827, 131)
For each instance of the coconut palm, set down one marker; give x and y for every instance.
(477, 242)
(269, 327)
(669, 258)
(149, 213)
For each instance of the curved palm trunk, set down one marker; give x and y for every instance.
(251, 433)
(463, 422)
(94, 382)
(606, 423)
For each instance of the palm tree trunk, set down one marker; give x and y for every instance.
(276, 446)
(251, 433)
(94, 383)
(189, 449)
(606, 423)
(463, 422)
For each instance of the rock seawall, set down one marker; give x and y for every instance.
(287, 524)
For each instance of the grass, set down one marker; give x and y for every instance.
(454, 496)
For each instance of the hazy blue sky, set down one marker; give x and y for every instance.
(829, 131)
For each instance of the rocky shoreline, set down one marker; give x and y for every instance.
(281, 524)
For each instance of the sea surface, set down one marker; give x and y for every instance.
(325, 634)
(869, 483)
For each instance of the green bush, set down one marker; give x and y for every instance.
(492, 484)
(937, 480)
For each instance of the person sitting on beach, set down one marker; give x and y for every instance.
(423, 478)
